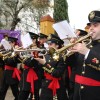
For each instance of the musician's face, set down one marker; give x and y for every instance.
(41, 40)
(77, 32)
(45, 39)
(34, 41)
(52, 45)
(12, 43)
(95, 31)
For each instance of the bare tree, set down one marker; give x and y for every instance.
(11, 8)
(40, 8)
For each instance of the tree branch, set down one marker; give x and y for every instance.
(8, 12)
(16, 5)
(10, 8)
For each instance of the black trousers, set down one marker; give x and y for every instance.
(1, 75)
(26, 95)
(4, 89)
(23, 95)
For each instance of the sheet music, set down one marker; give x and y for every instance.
(26, 40)
(64, 30)
(5, 44)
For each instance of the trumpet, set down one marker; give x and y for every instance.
(6, 55)
(35, 53)
(28, 50)
(56, 53)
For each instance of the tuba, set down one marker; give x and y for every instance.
(56, 53)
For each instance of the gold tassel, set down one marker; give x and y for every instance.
(55, 97)
(33, 98)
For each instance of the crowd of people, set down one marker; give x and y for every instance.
(71, 74)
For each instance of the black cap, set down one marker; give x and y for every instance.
(41, 35)
(5, 35)
(94, 16)
(88, 24)
(12, 39)
(55, 39)
(33, 35)
(82, 32)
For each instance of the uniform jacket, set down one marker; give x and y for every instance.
(24, 85)
(7, 74)
(56, 70)
(89, 68)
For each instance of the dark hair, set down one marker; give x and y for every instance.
(5, 35)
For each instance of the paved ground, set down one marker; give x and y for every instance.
(9, 95)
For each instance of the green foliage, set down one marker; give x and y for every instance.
(60, 10)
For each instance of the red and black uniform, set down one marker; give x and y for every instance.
(72, 67)
(87, 80)
(53, 85)
(30, 80)
(11, 77)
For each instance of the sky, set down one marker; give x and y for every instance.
(78, 11)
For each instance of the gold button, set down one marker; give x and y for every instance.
(82, 87)
(91, 46)
(84, 65)
(49, 61)
(46, 81)
(83, 72)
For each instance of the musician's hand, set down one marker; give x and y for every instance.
(41, 60)
(72, 40)
(80, 47)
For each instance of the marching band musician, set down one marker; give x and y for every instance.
(36, 44)
(31, 80)
(52, 86)
(71, 63)
(38, 69)
(28, 79)
(14, 45)
(11, 76)
(87, 80)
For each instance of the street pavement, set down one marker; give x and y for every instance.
(9, 95)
